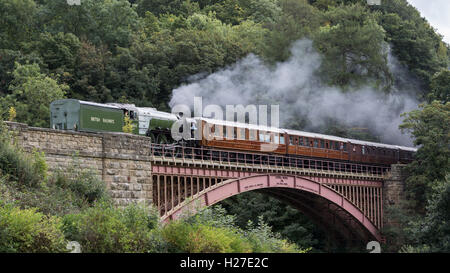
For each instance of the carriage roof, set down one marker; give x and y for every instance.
(306, 134)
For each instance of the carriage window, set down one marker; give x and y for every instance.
(344, 146)
(305, 142)
(300, 141)
(363, 150)
(228, 132)
(322, 143)
(282, 139)
(252, 134)
(264, 136)
(336, 146)
(275, 137)
(225, 132)
(291, 140)
(261, 136)
(217, 131)
(328, 144)
(241, 133)
(316, 143)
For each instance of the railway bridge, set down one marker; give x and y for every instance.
(345, 199)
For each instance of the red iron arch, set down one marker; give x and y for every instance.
(228, 188)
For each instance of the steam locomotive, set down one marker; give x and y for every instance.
(71, 114)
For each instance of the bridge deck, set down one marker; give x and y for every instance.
(205, 164)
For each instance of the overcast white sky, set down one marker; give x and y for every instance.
(437, 12)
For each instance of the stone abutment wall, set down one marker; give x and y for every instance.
(120, 160)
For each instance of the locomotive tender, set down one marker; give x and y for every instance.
(71, 114)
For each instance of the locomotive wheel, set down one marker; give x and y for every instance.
(151, 136)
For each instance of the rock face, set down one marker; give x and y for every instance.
(121, 160)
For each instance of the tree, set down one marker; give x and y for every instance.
(59, 51)
(430, 127)
(298, 20)
(440, 86)
(88, 80)
(8, 58)
(358, 58)
(434, 229)
(32, 93)
(414, 42)
(169, 53)
(102, 22)
(176, 7)
(17, 22)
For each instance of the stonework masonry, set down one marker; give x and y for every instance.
(121, 160)
(394, 185)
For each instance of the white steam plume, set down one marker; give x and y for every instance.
(293, 85)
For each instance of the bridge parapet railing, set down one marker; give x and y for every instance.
(230, 158)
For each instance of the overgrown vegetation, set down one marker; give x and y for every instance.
(212, 230)
(140, 52)
(422, 223)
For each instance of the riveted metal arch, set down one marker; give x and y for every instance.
(228, 188)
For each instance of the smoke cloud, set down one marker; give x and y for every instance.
(293, 85)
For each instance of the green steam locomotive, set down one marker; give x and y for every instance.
(84, 116)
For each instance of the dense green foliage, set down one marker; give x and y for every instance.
(284, 219)
(414, 41)
(430, 127)
(104, 228)
(31, 94)
(421, 223)
(113, 51)
(25, 181)
(25, 230)
(139, 51)
(212, 230)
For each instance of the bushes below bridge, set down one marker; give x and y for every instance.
(212, 230)
(26, 230)
(136, 228)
